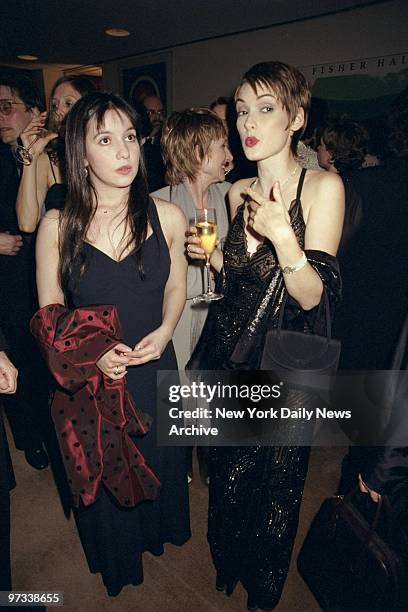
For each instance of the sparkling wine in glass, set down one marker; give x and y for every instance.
(206, 225)
(23, 154)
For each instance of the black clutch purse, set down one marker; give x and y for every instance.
(346, 563)
(301, 358)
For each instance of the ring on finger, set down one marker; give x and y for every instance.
(116, 370)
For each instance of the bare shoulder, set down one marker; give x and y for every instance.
(322, 189)
(236, 194)
(172, 220)
(53, 215)
(321, 181)
(169, 212)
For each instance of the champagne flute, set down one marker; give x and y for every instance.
(206, 225)
(22, 154)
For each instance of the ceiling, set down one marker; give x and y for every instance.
(72, 31)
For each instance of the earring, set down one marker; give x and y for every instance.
(86, 172)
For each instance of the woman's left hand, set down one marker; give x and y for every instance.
(365, 489)
(268, 218)
(150, 347)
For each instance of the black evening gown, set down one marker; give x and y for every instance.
(255, 492)
(114, 537)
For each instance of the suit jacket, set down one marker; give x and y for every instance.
(154, 164)
(17, 273)
(373, 266)
(389, 467)
(3, 343)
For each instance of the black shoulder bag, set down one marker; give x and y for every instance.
(302, 358)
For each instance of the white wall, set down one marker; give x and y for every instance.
(202, 71)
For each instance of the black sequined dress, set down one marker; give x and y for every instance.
(255, 492)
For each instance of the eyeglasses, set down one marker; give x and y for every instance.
(153, 111)
(6, 106)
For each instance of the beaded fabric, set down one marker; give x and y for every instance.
(255, 492)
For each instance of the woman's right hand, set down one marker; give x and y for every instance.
(195, 251)
(30, 135)
(113, 363)
(193, 245)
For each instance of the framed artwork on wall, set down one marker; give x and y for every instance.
(147, 76)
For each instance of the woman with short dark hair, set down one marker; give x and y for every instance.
(281, 246)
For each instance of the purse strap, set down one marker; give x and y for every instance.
(383, 507)
(324, 303)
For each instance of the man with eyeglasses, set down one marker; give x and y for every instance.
(27, 410)
(156, 114)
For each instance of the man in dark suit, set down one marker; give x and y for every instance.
(156, 115)
(27, 409)
(375, 295)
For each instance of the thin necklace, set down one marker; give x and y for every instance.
(291, 175)
(109, 210)
(287, 179)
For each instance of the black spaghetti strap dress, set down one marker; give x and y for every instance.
(56, 194)
(255, 492)
(114, 537)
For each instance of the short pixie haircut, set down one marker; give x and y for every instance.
(186, 139)
(288, 85)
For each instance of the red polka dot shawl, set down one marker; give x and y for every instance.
(94, 415)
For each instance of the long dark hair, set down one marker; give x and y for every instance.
(81, 83)
(79, 209)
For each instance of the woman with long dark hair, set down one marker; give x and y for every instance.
(42, 184)
(281, 246)
(111, 276)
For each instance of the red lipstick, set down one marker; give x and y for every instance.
(251, 141)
